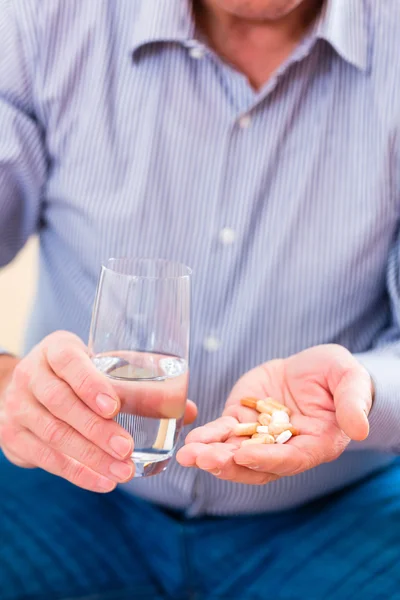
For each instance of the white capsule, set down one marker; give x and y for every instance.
(283, 437)
(280, 416)
(262, 429)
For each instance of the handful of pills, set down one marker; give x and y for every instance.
(273, 426)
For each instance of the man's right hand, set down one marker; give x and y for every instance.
(56, 413)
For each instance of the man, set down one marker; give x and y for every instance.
(256, 141)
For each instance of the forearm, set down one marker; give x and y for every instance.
(384, 367)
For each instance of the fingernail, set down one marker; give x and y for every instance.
(105, 485)
(122, 471)
(211, 470)
(121, 445)
(106, 404)
(249, 465)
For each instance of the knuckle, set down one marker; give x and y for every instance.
(56, 433)
(61, 357)
(22, 374)
(337, 348)
(75, 472)
(52, 394)
(85, 385)
(11, 405)
(94, 427)
(92, 456)
(337, 352)
(63, 348)
(45, 456)
(61, 336)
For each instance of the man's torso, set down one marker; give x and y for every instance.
(284, 204)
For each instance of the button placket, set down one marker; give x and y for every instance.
(245, 121)
(197, 52)
(211, 343)
(227, 236)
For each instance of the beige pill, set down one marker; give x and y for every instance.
(264, 419)
(249, 402)
(245, 429)
(262, 439)
(262, 429)
(263, 407)
(266, 407)
(277, 405)
(278, 428)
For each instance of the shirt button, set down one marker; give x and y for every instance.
(227, 236)
(196, 52)
(245, 121)
(211, 344)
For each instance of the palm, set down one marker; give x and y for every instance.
(297, 383)
(312, 388)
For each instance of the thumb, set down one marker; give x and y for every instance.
(353, 399)
(190, 412)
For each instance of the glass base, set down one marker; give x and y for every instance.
(152, 466)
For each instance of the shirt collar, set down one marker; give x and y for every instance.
(342, 23)
(163, 21)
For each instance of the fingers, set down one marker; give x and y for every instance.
(318, 444)
(190, 413)
(55, 462)
(67, 357)
(336, 370)
(300, 454)
(218, 459)
(59, 400)
(17, 460)
(243, 414)
(353, 400)
(45, 423)
(62, 437)
(188, 455)
(216, 431)
(280, 460)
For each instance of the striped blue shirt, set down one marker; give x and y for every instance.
(121, 133)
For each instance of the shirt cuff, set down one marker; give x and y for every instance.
(384, 418)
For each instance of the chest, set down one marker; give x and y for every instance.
(159, 156)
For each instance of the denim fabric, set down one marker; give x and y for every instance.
(59, 542)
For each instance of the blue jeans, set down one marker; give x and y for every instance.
(59, 542)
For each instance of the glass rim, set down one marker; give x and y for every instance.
(105, 266)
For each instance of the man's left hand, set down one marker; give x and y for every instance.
(329, 394)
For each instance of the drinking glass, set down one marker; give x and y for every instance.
(139, 338)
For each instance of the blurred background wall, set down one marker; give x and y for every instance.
(17, 286)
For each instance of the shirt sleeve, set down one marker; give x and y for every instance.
(383, 364)
(23, 164)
